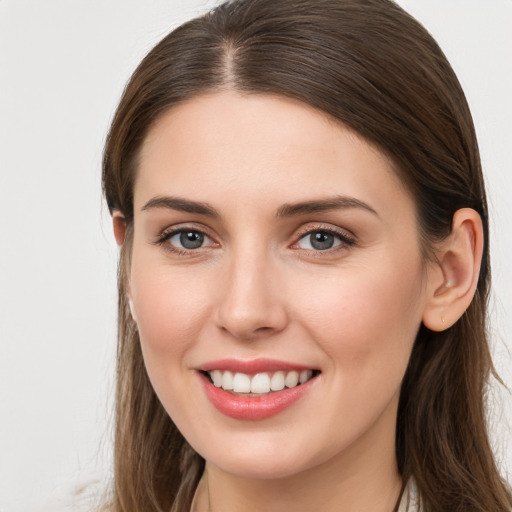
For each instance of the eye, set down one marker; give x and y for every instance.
(322, 240)
(187, 239)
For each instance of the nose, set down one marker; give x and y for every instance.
(252, 301)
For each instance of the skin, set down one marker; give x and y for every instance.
(257, 288)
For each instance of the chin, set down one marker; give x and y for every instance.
(257, 468)
(261, 458)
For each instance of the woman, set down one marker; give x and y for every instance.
(297, 193)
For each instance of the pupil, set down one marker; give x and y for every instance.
(191, 239)
(321, 241)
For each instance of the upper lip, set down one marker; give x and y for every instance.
(253, 366)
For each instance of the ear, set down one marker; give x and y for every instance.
(453, 278)
(119, 223)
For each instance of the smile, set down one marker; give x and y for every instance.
(255, 390)
(261, 383)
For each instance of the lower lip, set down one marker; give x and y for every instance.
(257, 407)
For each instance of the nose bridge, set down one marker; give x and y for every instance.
(251, 304)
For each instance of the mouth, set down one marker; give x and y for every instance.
(256, 390)
(259, 384)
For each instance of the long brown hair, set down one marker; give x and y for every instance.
(370, 65)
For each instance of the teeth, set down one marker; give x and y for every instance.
(241, 383)
(305, 375)
(260, 383)
(277, 381)
(291, 379)
(216, 376)
(227, 381)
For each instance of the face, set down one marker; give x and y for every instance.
(277, 283)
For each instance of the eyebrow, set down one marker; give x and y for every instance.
(182, 205)
(323, 205)
(287, 210)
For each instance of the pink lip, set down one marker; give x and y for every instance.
(252, 367)
(257, 407)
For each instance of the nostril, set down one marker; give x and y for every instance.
(264, 329)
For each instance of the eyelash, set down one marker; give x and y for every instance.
(166, 235)
(345, 239)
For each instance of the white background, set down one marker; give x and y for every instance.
(63, 65)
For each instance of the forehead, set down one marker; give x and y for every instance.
(227, 145)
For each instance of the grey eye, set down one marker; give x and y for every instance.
(189, 240)
(319, 241)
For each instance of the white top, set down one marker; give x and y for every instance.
(410, 501)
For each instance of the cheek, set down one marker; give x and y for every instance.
(366, 318)
(169, 308)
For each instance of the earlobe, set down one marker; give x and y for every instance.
(132, 309)
(119, 224)
(454, 276)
